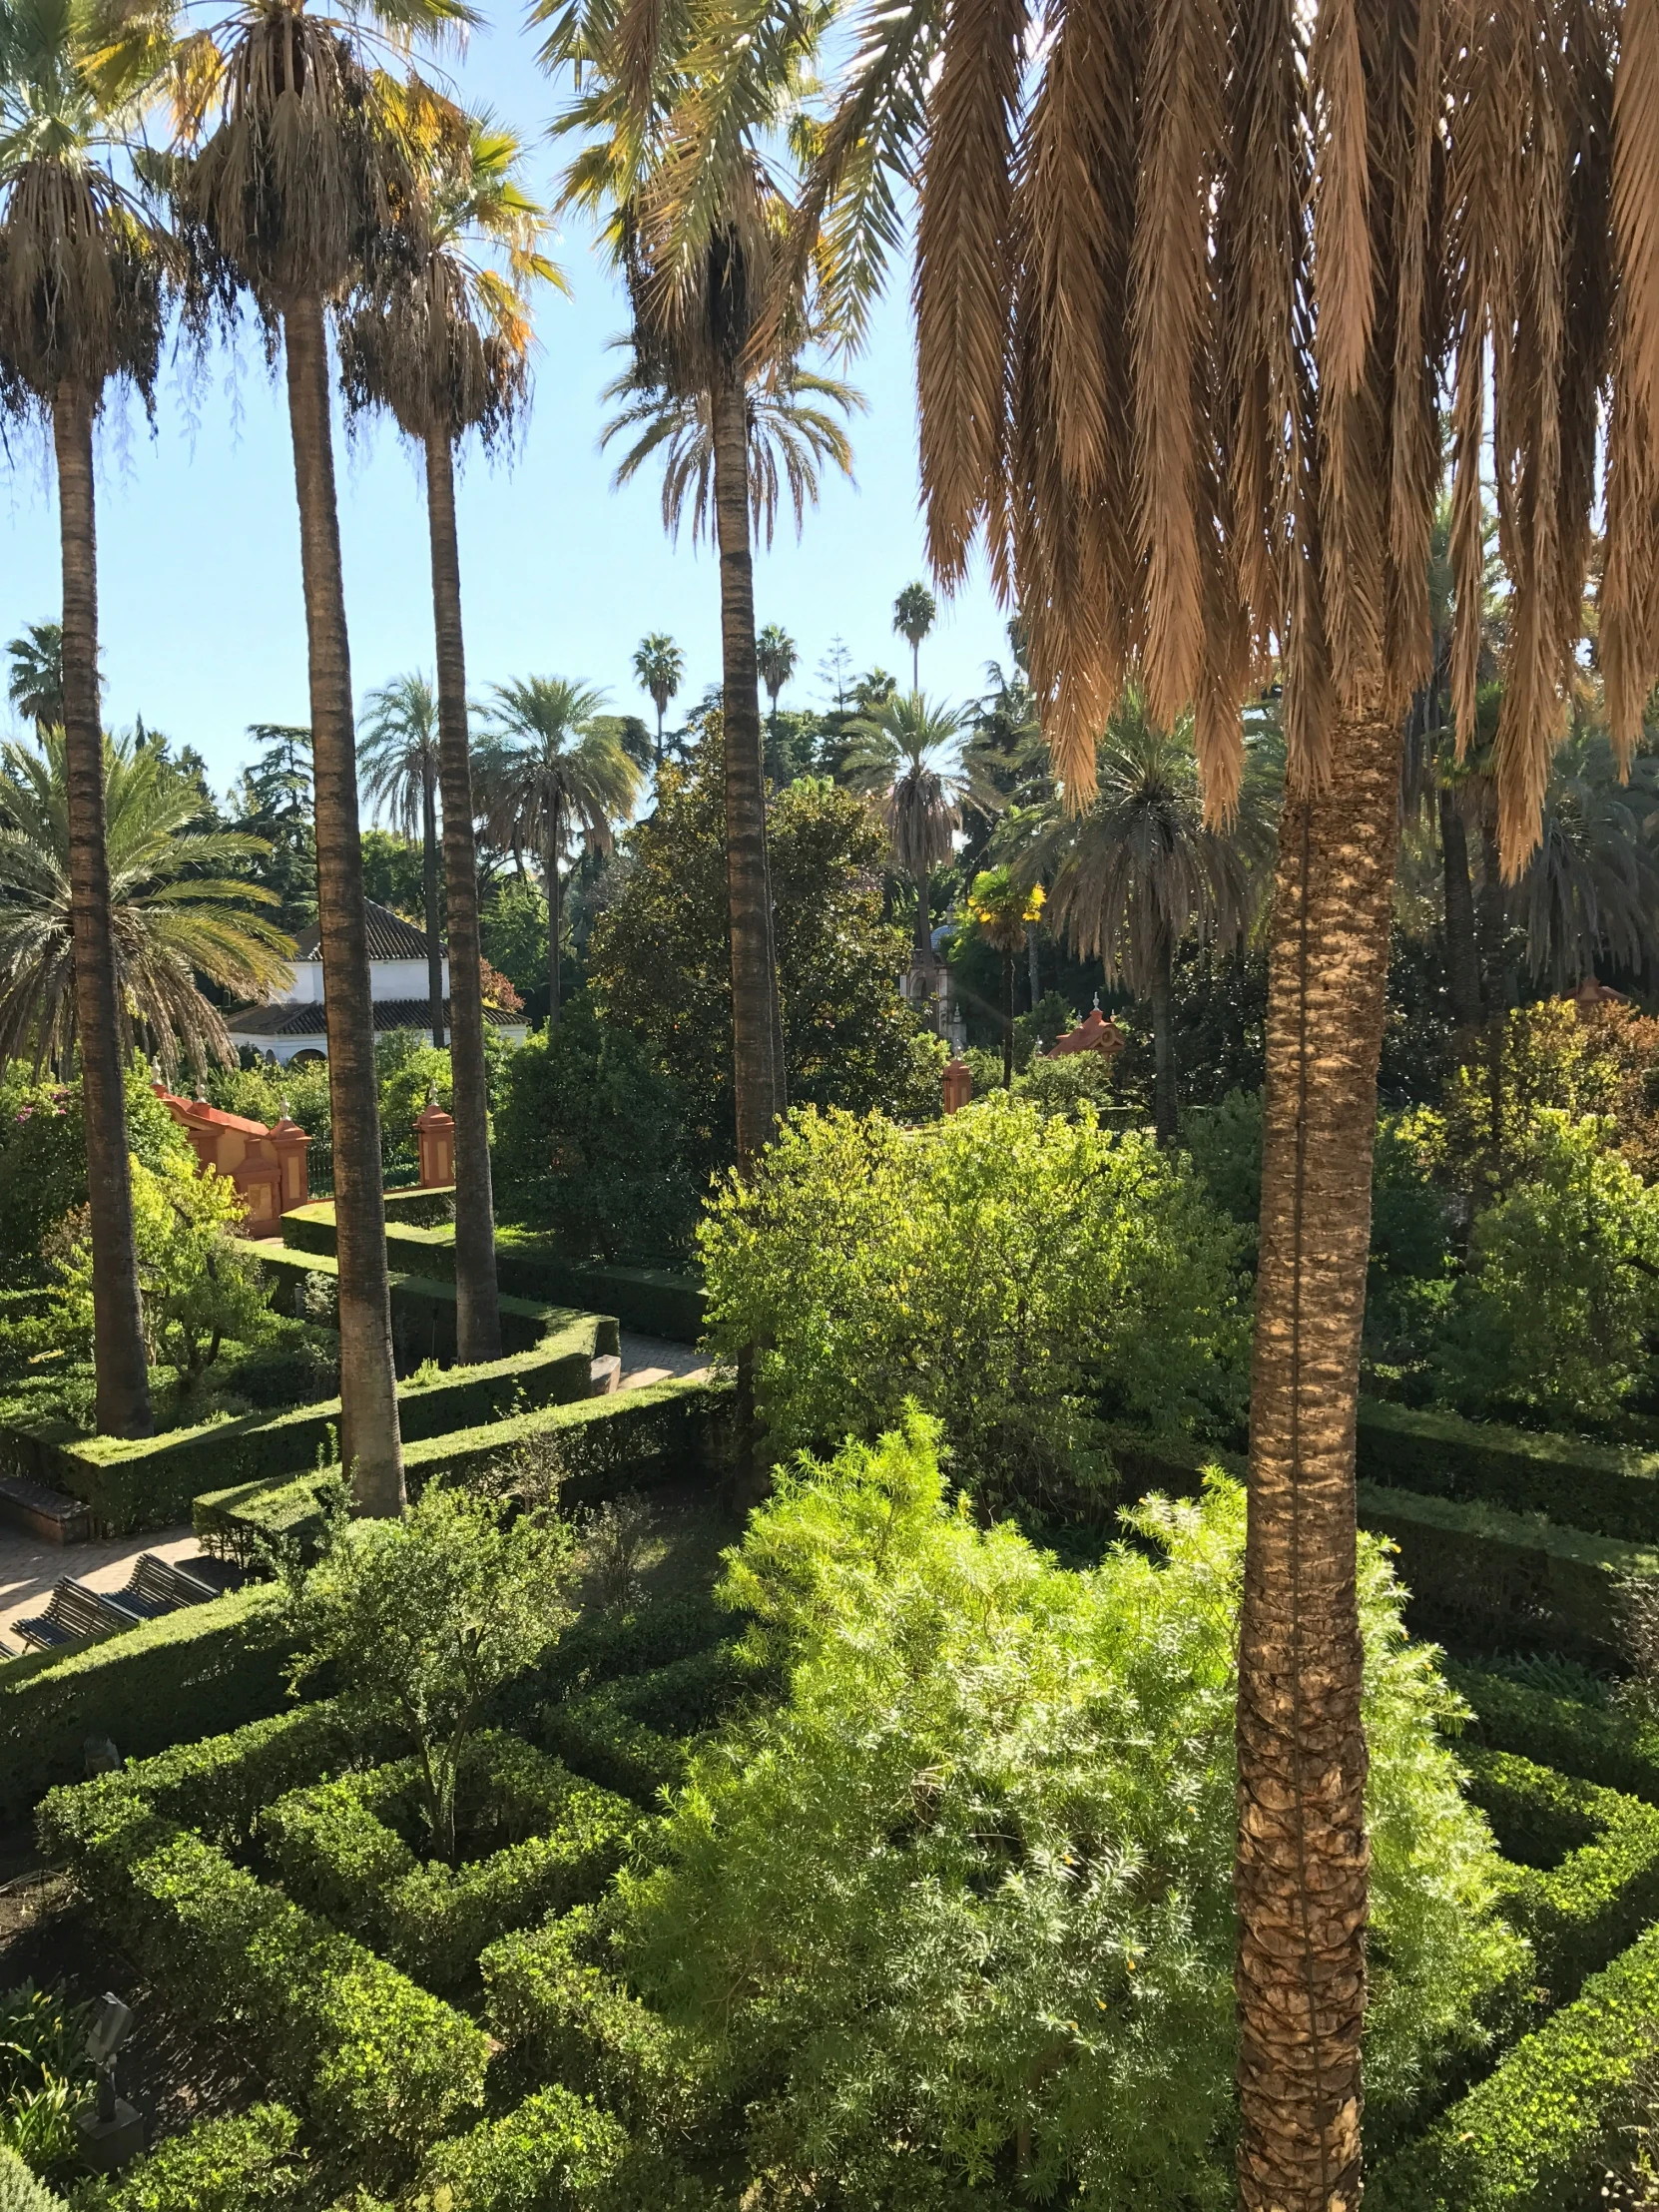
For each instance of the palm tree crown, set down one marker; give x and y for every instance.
(776, 657)
(896, 755)
(35, 685)
(1591, 890)
(659, 666)
(913, 617)
(177, 908)
(397, 752)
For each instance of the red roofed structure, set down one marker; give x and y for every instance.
(267, 1166)
(1094, 1033)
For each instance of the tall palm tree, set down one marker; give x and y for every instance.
(913, 611)
(445, 345)
(35, 685)
(1186, 378)
(1003, 907)
(776, 658)
(1142, 871)
(551, 770)
(295, 156)
(659, 666)
(180, 907)
(898, 756)
(398, 764)
(733, 437)
(80, 302)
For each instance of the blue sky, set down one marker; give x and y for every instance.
(203, 625)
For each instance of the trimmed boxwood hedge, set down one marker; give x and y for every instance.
(1587, 1879)
(199, 1670)
(1599, 1487)
(552, 2153)
(1535, 2135)
(149, 1485)
(380, 2068)
(244, 2162)
(1479, 1575)
(422, 1307)
(529, 1264)
(1602, 1743)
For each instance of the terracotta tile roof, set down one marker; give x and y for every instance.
(304, 1019)
(390, 937)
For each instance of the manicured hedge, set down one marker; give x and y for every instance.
(596, 1736)
(1598, 1488)
(600, 1647)
(242, 2163)
(421, 1206)
(528, 1264)
(201, 1669)
(552, 2153)
(1535, 2135)
(151, 1484)
(378, 2068)
(422, 1307)
(21, 2190)
(1602, 1743)
(1588, 1880)
(334, 1854)
(550, 2001)
(1477, 1575)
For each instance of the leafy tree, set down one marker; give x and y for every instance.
(954, 1923)
(590, 1143)
(419, 1620)
(393, 872)
(35, 685)
(1015, 1272)
(659, 666)
(547, 773)
(513, 926)
(898, 758)
(397, 763)
(659, 959)
(275, 803)
(1143, 868)
(201, 1280)
(913, 611)
(177, 908)
(82, 306)
(443, 341)
(43, 1157)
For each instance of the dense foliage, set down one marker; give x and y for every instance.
(589, 1140)
(1021, 1275)
(959, 1914)
(43, 1158)
(660, 961)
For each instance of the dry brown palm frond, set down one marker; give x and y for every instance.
(83, 280)
(962, 241)
(1635, 199)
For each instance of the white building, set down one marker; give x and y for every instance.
(292, 1027)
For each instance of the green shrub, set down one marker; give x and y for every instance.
(1061, 1086)
(1588, 1879)
(1605, 1744)
(1018, 1275)
(242, 2163)
(888, 1910)
(378, 2068)
(547, 2155)
(599, 1647)
(20, 2190)
(43, 1157)
(45, 2075)
(589, 1143)
(422, 1619)
(1600, 1488)
(598, 1738)
(1224, 1142)
(204, 1668)
(1535, 2135)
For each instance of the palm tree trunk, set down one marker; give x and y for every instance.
(1462, 956)
(1165, 1117)
(1033, 974)
(370, 1446)
(1301, 1855)
(430, 887)
(477, 1293)
(1009, 1017)
(123, 1375)
(555, 915)
(659, 760)
(756, 1013)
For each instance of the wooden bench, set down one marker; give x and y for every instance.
(49, 1514)
(73, 1612)
(156, 1586)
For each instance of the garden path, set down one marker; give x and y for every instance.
(29, 1568)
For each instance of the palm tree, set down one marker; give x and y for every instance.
(1004, 906)
(1142, 869)
(1187, 379)
(297, 153)
(398, 764)
(35, 686)
(445, 347)
(895, 756)
(550, 770)
(80, 302)
(913, 617)
(1591, 890)
(733, 437)
(774, 659)
(659, 666)
(179, 907)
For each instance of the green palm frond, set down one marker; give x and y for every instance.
(551, 752)
(397, 752)
(172, 918)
